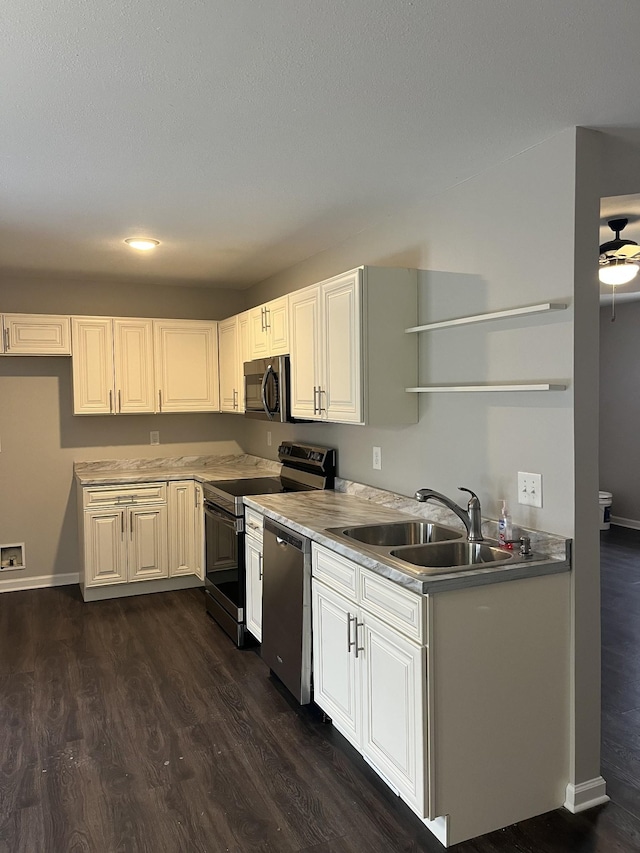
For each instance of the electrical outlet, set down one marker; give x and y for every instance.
(530, 489)
(154, 437)
(268, 438)
(377, 458)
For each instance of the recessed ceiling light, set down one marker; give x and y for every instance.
(142, 243)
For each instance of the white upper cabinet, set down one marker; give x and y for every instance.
(93, 380)
(350, 357)
(133, 366)
(231, 374)
(35, 334)
(269, 328)
(112, 366)
(186, 365)
(340, 394)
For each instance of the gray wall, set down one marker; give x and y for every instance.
(620, 409)
(522, 232)
(40, 438)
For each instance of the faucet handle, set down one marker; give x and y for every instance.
(473, 494)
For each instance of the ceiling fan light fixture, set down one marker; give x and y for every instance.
(143, 244)
(618, 271)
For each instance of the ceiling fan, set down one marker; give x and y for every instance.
(619, 260)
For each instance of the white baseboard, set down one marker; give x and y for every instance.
(14, 584)
(586, 795)
(625, 522)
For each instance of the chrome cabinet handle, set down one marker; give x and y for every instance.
(122, 525)
(267, 318)
(262, 319)
(6, 340)
(259, 567)
(235, 399)
(315, 405)
(131, 531)
(357, 647)
(110, 402)
(119, 401)
(197, 499)
(321, 409)
(159, 400)
(350, 642)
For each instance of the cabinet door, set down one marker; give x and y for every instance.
(342, 349)
(36, 334)
(147, 551)
(335, 672)
(277, 321)
(258, 332)
(105, 547)
(253, 563)
(199, 532)
(393, 707)
(92, 364)
(304, 307)
(229, 365)
(133, 366)
(244, 354)
(181, 506)
(186, 359)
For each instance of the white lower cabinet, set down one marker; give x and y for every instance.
(253, 573)
(369, 678)
(125, 544)
(459, 699)
(147, 547)
(182, 527)
(133, 533)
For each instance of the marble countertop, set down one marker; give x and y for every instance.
(311, 513)
(110, 472)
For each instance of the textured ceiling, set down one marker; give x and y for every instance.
(247, 135)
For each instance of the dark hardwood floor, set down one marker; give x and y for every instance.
(135, 725)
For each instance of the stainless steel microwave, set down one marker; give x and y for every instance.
(266, 388)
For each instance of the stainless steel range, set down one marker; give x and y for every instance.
(304, 467)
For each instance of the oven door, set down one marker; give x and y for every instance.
(224, 553)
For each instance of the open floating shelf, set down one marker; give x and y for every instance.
(520, 386)
(527, 310)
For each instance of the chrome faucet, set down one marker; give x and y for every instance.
(472, 519)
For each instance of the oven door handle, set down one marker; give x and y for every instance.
(236, 524)
(268, 372)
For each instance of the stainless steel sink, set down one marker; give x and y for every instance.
(451, 555)
(399, 533)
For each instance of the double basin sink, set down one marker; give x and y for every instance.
(422, 546)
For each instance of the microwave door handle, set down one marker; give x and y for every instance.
(265, 405)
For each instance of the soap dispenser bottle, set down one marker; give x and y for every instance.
(505, 529)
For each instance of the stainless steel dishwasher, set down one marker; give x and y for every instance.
(286, 608)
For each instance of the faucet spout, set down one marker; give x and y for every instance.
(472, 518)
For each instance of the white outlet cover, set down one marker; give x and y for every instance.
(154, 437)
(377, 458)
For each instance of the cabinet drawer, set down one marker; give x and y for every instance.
(142, 493)
(398, 607)
(253, 523)
(336, 571)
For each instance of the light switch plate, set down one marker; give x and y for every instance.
(530, 489)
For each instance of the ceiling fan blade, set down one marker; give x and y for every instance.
(628, 252)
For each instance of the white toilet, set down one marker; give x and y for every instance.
(605, 501)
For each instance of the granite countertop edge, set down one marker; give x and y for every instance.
(516, 570)
(202, 469)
